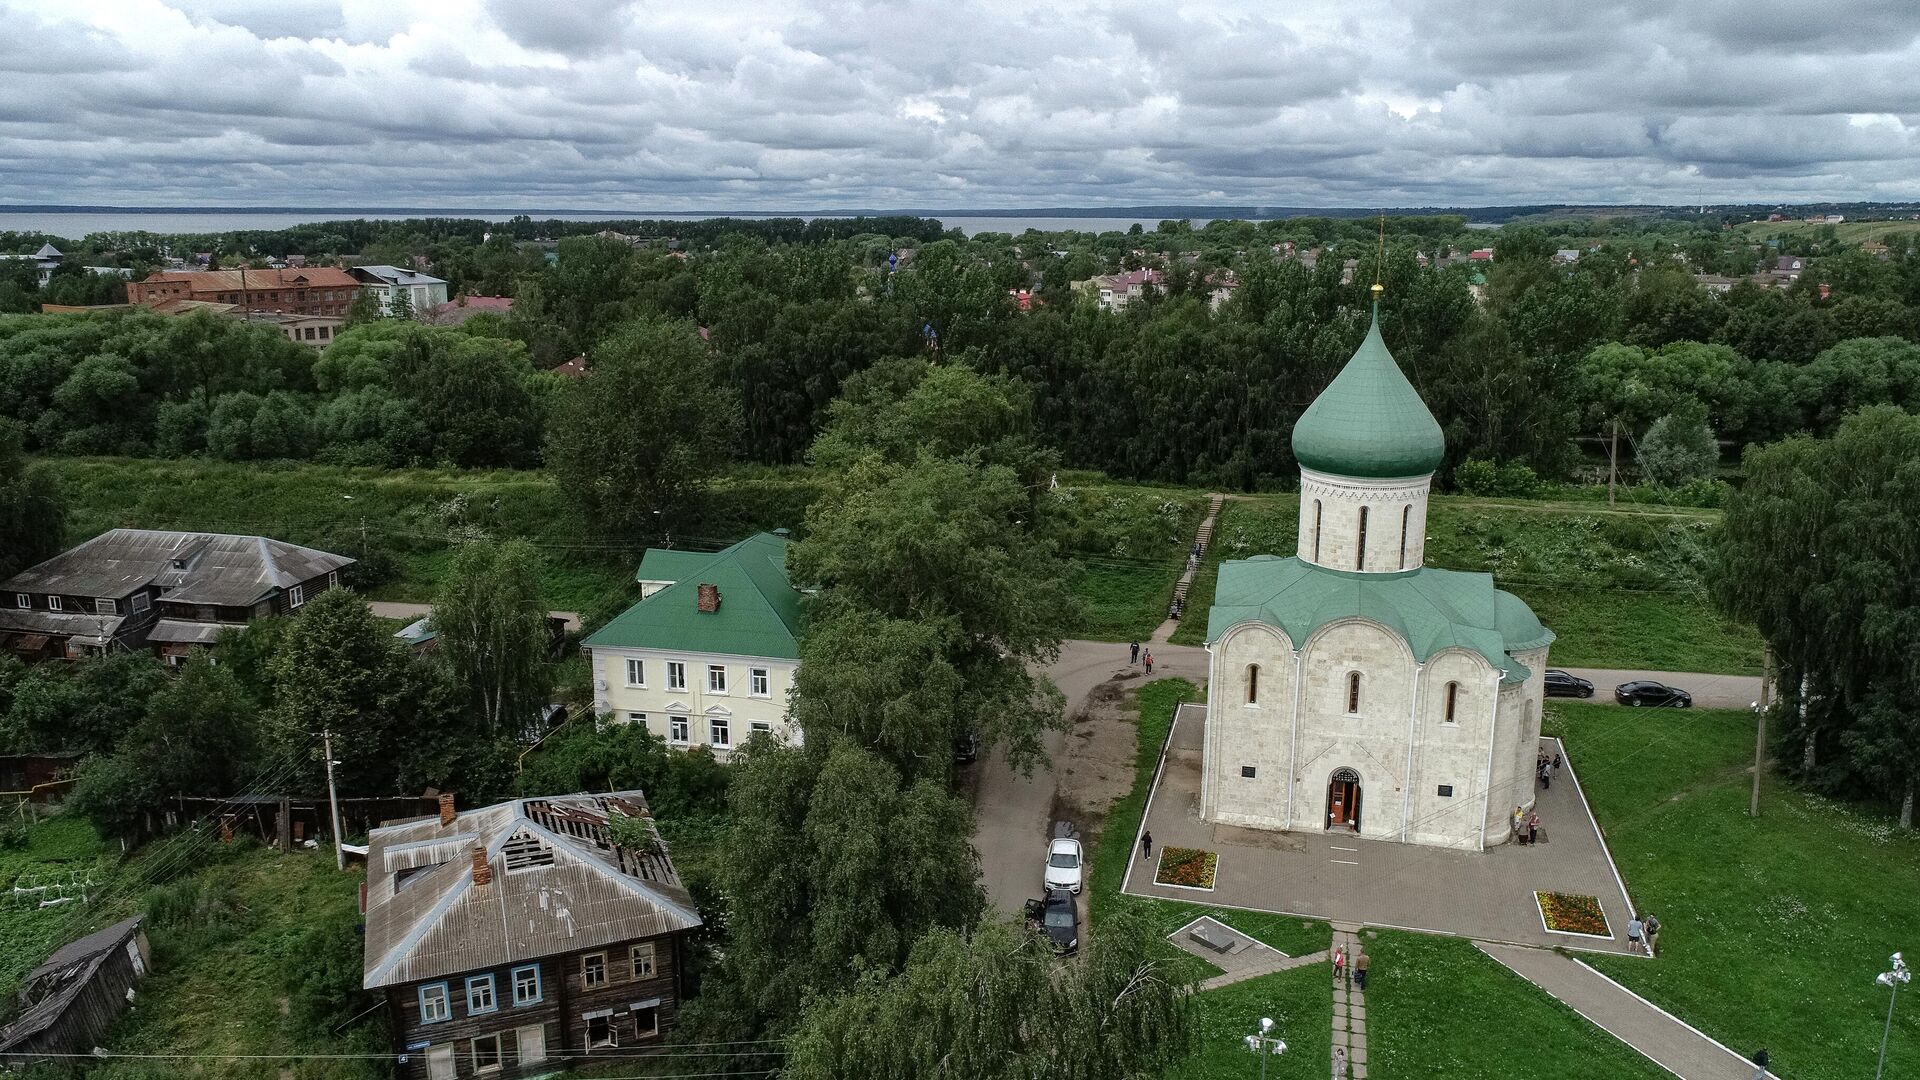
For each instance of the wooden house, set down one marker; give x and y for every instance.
(168, 591)
(515, 939)
(68, 1002)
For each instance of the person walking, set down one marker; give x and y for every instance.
(1133, 653)
(1339, 964)
(1146, 845)
(1360, 965)
(1653, 931)
(1339, 1063)
(1148, 658)
(1635, 933)
(1760, 1063)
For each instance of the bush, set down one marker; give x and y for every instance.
(1679, 448)
(1478, 476)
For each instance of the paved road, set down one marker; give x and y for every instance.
(389, 609)
(1709, 691)
(1671, 1044)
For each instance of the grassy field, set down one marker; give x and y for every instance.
(1847, 232)
(1440, 1007)
(1773, 928)
(1621, 589)
(1301, 1008)
(55, 858)
(1127, 544)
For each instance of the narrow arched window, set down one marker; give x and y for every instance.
(1253, 684)
(1406, 519)
(1453, 697)
(1316, 530)
(1360, 551)
(1353, 692)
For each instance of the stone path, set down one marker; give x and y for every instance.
(1349, 1006)
(1201, 541)
(1281, 962)
(1665, 1040)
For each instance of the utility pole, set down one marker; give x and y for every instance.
(333, 800)
(1613, 459)
(1760, 734)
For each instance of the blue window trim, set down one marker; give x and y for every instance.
(493, 990)
(445, 992)
(539, 989)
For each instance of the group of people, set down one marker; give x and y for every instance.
(1134, 656)
(1354, 972)
(1526, 825)
(1642, 930)
(1544, 767)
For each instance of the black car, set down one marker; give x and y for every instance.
(1566, 684)
(966, 749)
(1648, 692)
(1058, 918)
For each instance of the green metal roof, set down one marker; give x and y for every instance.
(1430, 609)
(760, 611)
(668, 564)
(1369, 421)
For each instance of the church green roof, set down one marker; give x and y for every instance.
(1430, 609)
(760, 611)
(1369, 421)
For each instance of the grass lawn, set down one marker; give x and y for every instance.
(1440, 1007)
(1128, 545)
(1773, 928)
(1622, 589)
(1299, 1004)
(1123, 602)
(57, 853)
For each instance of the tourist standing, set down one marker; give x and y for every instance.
(1339, 963)
(1339, 1063)
(1148, 658)
(1519, 821)
(1133, 653)
(1533, 826)
(1653, 931)
(1760, 1063)
(1635, 930)
(1360, 965)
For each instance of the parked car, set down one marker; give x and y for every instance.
(1057, 917)
(966, 749)
(1063, 865)
(1648, 692)
(1566, 684)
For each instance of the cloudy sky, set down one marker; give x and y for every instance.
(798, 104)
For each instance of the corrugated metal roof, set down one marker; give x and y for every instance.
(53, 985)
(580, 892)
(760, 611)
(183, 632)
(394, 275)
(219, 568)
(74, 624)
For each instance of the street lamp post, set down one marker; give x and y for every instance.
(1894, 979)
(1265, 1042)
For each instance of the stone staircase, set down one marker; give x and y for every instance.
(1201, 541)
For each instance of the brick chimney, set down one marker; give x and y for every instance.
(482, 870)
(446, 808)
(709, 597)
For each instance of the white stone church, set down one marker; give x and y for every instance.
(1352, 687)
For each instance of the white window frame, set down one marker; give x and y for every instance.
(490, 1000)
(140, 603)
(759, 682)
(759, 726)
(296, 596)
(716, 678)
(612, 1041)
(104, 606)
(499, 1053)
(445, 995)
(605, 975)
(637, 672)
(652, 1008)
(638, 718)
(720, 732)
(676, 674)
(333, 579)
(53, 603)
(642, 953)
(679, 729)
(22, 601)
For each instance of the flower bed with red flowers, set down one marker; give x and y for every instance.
(1189, 868)
(1572, 913)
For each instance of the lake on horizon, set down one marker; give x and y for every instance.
(74, 226)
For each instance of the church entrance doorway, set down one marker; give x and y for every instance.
(1343, 800)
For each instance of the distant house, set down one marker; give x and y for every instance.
(133, 588)
(1566, 255)
(45, 261)
(706, 658)
(388, 284)
(1480, 255)
(513, 940)
(320, 290)
(1714, 283)
(461, 308)
(68, 1003)
(1116, 291)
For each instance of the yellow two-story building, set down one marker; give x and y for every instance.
(707, 657)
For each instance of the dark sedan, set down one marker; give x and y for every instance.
(1648, 692)
(1057, 916)
(1566, 684)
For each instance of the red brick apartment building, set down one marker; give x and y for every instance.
(299, 291)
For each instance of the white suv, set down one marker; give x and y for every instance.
(1063, 865)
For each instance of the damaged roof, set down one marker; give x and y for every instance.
(191, 567)
(557, 883)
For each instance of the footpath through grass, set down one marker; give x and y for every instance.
(1773, 928)
(1440, 1007)
(1621, 589)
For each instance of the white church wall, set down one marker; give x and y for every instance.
(1396, 511)
(1451, 756)
(1372, 740)
(1520, 708)
(1244, 733)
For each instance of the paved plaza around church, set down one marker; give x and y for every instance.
(1337, 876)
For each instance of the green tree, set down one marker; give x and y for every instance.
(33, 509)
(491, 616)
(634, 444)
(339, 669)
(1679, 448)
(400, 305)
(994, 1005)
(1817, 552)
